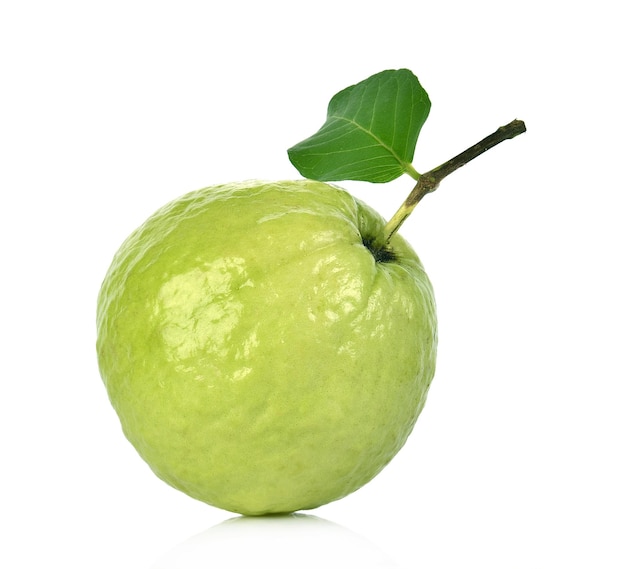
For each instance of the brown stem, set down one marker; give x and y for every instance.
(430, 181)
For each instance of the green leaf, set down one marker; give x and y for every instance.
(370, 131)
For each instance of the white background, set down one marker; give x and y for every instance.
(110, 109)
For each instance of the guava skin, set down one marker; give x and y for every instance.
(259, 357)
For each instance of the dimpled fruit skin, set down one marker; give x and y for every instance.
(258, 356)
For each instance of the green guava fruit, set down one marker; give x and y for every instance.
(262, 355)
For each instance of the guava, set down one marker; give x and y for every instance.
(263, 354)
